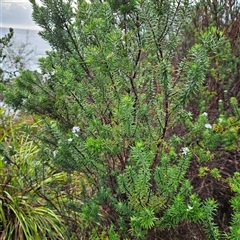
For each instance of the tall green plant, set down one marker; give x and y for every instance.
(110, 94)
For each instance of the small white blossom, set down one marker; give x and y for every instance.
(76, 130)
(209, 126)
(220, 100)
(220, 120)
(205, 114)
(225, 91)
(185, 150)
(70, 140)
(189, 208)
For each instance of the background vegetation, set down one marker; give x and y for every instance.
(131, 129)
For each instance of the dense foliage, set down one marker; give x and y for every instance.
(132, 94)
(24, 212)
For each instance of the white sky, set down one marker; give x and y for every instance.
(16, 14)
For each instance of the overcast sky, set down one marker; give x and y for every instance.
(16, 14)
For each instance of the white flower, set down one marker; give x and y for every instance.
(70, 140)
(185, 150)
(205, 114)
(76, 130)
(209, 126)
(220, 100)
(189, 208)
(220, 120)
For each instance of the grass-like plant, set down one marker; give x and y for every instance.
(23, 210)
